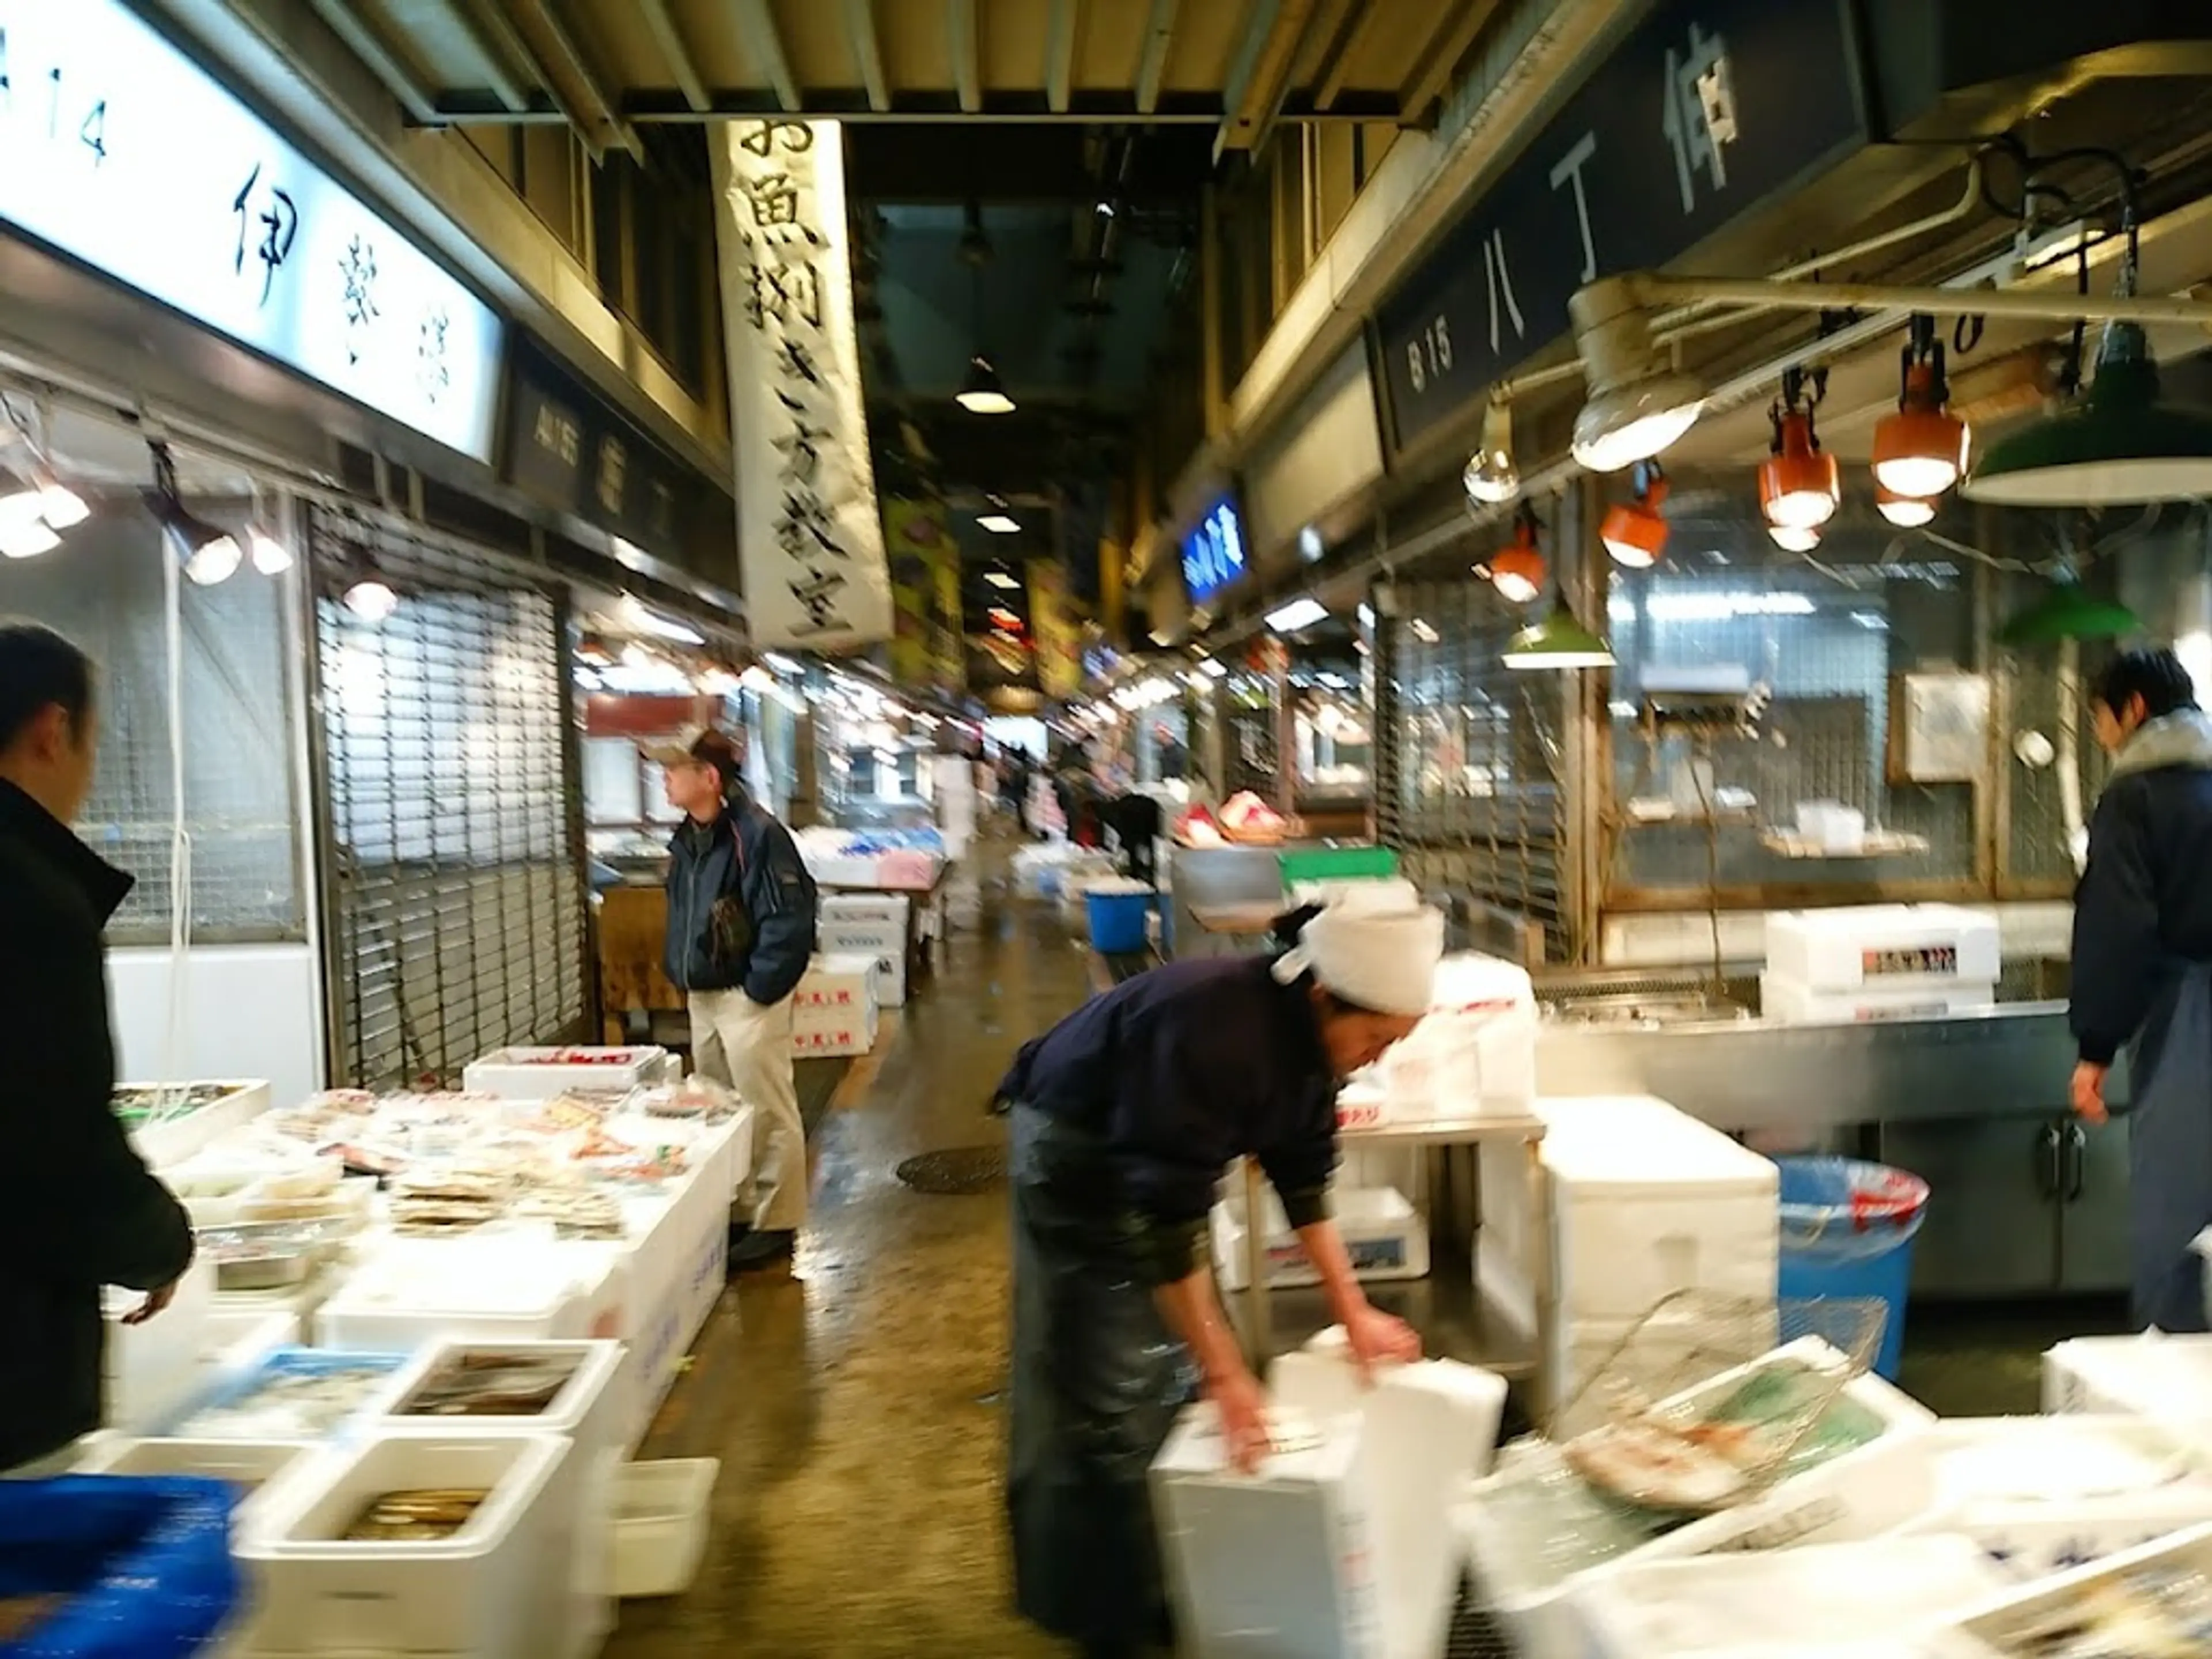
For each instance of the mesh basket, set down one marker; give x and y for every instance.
(1709, 1399)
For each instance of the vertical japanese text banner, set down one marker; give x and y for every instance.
(809, 537)
(922, 548)
(1058, 640)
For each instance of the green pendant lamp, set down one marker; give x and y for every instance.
(2117, 444)
(2067, 610)
(1558, 641)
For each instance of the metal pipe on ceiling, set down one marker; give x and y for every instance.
(670, 40)
(624, 135)
(764, 45)
(364, 41)
(1159, 39)
(505, 86)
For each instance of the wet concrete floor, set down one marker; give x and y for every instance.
(854, 1401)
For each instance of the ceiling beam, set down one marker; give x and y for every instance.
(401, 82)
(491, 17)
(675, 53)
(1446, 47)
(624, 136)
(867, 52)
(1159, 37)
(1064, 22)
(757, 28)
(1250, 126)
(498, 65)
(1335, 61)
(967, 54)
(1261, 17)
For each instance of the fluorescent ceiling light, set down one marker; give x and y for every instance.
(1297, 616)
(999, 524)
(1212, 670)
(647, 620)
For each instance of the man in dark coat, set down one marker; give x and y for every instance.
(2142, 969)
(78, 1207)
(741, 915)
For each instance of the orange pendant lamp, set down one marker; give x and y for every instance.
(1518, 571)
(1800, 485)
(1634, 533)
(1920, 448)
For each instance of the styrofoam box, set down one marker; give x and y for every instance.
(226, 1388)
(663, 1511)
(1869, 1598)
(1475, 1056)
(1385, 1236)
(164, 1144)
(263, 1468)
(862, 909)
(2166, 1378)
(835, 984)
(495, 1288)
(590, 1410)
(487, 1591)
(1844, 1499)
(2029, 1542)
(833, 1042)
(1278, 1562)
(1855, 947)
(1790, 1002)
(1645, 1201)
(540, 1073)
(149, 1370)
(1998, 1624)
(885, 946)
(1466, 1403)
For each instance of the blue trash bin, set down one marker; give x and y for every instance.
(1847, 1230)
(1117, 920)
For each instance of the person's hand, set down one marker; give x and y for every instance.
(2089, 1092)
(1243, 1407)
(1377, 1339)
(154, 1302)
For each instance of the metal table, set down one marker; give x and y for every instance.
(1455, 1215)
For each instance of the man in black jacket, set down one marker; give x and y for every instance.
(741, 911)
(78, 1207)
(2142, 969)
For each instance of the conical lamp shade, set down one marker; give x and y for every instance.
(983, 392)
(2066, 611)
(1558, 641)
(2118, 444)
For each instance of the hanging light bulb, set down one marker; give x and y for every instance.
(28, 539)
(1905, 511)
(59, 505)
(1920, 448)
(1634, 533)
(22, 501)
(372, 599)
(1794, 538)
(1491, 476)
(270, 556)
(1518, 570)
(983, 392)
(1799, 484)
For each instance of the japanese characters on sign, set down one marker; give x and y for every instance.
(123, 153)
(808, 533)
(569, 446)
(1707, 109)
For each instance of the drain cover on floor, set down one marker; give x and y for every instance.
(956, 1171)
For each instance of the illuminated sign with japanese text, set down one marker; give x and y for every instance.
(121, 152)
(1214, 552)
(1707, 109)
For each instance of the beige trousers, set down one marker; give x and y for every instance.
(736, 1042)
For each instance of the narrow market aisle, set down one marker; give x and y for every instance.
(855, 1403)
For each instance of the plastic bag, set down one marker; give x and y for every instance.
(1844, 1206)
(140, 1568)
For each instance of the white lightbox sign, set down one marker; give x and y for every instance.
(123, 153)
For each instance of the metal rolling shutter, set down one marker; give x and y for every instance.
(453, 848)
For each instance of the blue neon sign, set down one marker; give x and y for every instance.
(1214, 552)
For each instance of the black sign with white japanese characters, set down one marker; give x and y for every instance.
(1707, 109)
(568, 448)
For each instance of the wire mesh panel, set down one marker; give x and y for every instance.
(1469, 791)
(106, 591)
(457, 899)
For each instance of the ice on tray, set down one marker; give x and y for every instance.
(296, 1394)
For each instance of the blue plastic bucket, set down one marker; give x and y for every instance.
(1847, 1232)
(1117, 921)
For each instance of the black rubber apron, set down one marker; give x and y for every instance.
(2170, 1150)
(1097, 1382)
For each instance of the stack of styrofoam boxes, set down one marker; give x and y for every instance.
(834, 1010)
(1877, 962)
(1384, 1236)
(955, 803)
(869, 925)
(542, 1073)
(590, 1412)
(1280, 1561)
(150, 1370)
(177, 1139)
(1475, 1056)
(492, 1590)
(2021, 1620)
(1641, 1201)
(1534, 1530)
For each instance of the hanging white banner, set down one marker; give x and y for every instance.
(809, 533)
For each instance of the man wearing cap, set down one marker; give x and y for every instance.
(1125, 1117)
(741, 910)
